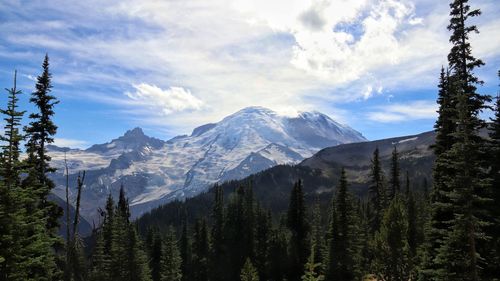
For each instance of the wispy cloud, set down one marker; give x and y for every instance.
(73, 143)
(415, 110)
(171, 100)
(282, 54)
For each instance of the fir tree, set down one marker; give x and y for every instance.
(376, 191)
(11, 194)
(465, 184)
(41, 215)
(263, 228)
(394, 183)
(248, 272)
(218, 257)
(201, 248)
(299, 228)
(392, 253)
(311, 269)
(185, 252)
(494, 230)
(171, 261)
(343, 247)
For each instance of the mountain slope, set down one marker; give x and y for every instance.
(319, 173)
(155, 171)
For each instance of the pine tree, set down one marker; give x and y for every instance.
(10, 193)
(440, 207)
(100, 262)
(494, 230)
(311, 269)
(185, 252)
(239, 230)
(343, 246)
(40, 223)
(248, 272)
(263, 228)
(278, 265)
(465, 183)
(156, 256)
(376, 190)
(201, 250)
(412, 235)
(218, 255)
(299, 228)
(317, 238)
(171, 261)
(394, 183)
(392, 253)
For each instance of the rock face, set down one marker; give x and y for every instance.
(155, 171)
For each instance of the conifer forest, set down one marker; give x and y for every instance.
(405, 226)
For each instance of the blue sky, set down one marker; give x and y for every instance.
(169, 66)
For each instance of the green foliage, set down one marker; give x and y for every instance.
(248, 272)
(344, 248)
(171, 261)
(391, 244)
(299, 228)
(376, 192)
(311, 269)
(119, 253)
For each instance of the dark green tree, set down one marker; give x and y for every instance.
(377, 192)
(465, 183)
(11, 194)
(394, 182)
(185, 252)
(201, 252)
(39, 238)
(218, 254)
(299, 228)
(392, 251)
(344, 251)
(248, 272)
(171, 258)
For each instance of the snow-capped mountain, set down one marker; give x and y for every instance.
(155, 171)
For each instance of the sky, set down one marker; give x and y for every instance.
(169, 66)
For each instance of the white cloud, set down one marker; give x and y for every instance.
(282, 54)
(171, 100)
(415, 110)
(73, 143)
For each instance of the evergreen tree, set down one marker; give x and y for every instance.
(201, 250)
(464, 189)
(394, 183)
(262, 242)
(248, 272)
(171, 261)
(218, 257)
(311, 269)
(376, 191)
(299, 228)
(278, 266)
(317, 239)
(493, 230)
(40, 223)
(100, 262)
(392, 253)
(11, 194)
(185, 252)
(343, 246)
(156, 256)
(412, 215)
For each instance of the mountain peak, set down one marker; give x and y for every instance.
(257, 110)
(134, 133)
